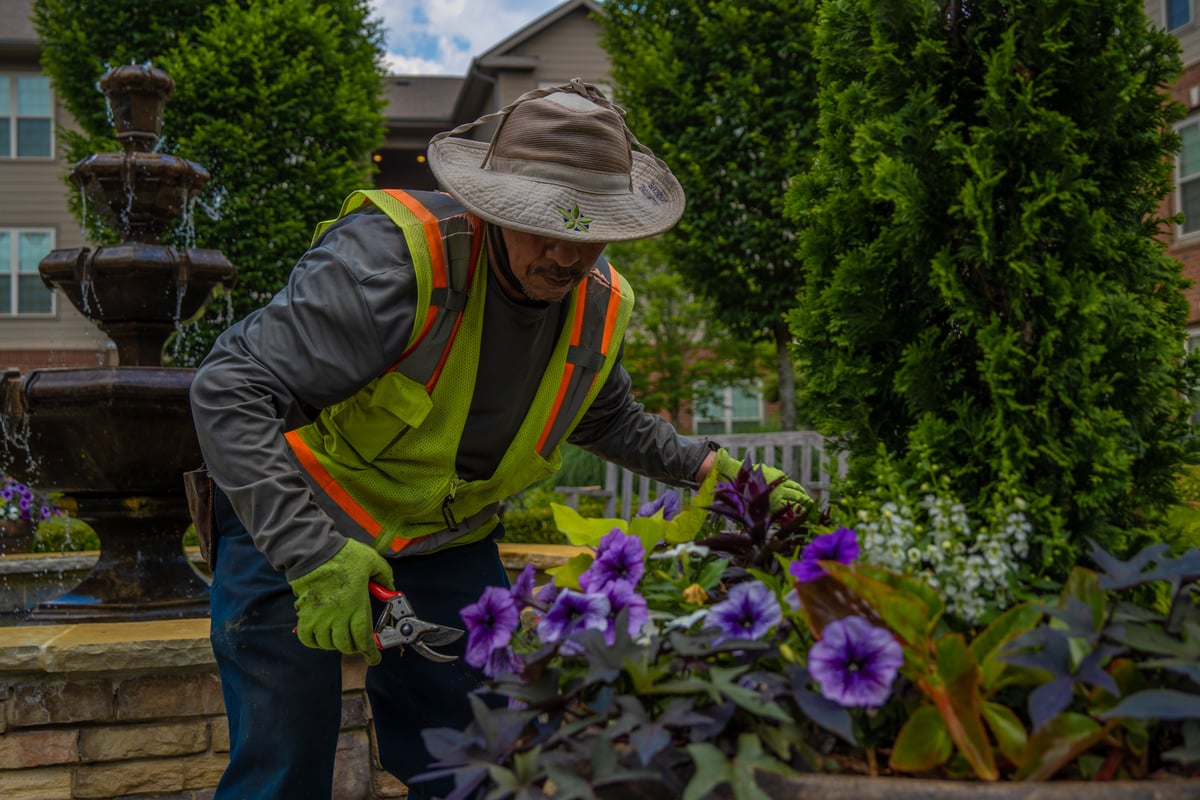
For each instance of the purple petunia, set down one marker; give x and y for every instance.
(749, 612)
(490, 624)
(623, 597)
(522, 590)
(855, 663)
(503, 661)
(668, 502)
(573, 611)
(620, 557)
(840, 546)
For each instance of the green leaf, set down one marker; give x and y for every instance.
(712, 770)
(988, 644)
(1057, 743)
(581, 530)
(905, 612)
(957, 698)
(724, 679)
(923, 742)
(1155, 704)
(566, 575)
(1084, 584)
(1007, 728)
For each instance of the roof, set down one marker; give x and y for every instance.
(420, 98)
(16, 24)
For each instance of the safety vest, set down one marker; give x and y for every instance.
(382, 463)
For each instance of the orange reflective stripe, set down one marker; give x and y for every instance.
(433, 235)
(569, 368)
(330, 486)
(610, 319)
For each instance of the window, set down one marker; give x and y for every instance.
(733, 409)
(21, 287)
(26, 117)
(1187, 179)
(1179, 13)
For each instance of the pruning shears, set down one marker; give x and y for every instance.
(399, 625)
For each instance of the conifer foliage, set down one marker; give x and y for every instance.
(984, 279)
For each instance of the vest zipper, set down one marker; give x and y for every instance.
(448, 513)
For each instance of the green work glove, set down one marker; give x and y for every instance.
(333, 603)
(788, 492)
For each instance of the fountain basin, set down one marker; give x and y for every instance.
(100, 431)
(141, 194)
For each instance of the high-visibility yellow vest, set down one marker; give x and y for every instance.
(383, 461)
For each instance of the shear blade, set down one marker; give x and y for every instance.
(432, 655)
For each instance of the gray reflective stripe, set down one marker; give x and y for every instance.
(446, 304)
(586, 355)
(439, 538)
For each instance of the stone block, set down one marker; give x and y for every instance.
(38, 748)
(125, 742)
(354, 673)
(352, 767)
(163, 696)
(219, 733)
(61, 702)
(153, 777)
(387, 785)
(36, 784)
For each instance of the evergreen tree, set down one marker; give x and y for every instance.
(725, 94)
(281, 102)
(985, 283)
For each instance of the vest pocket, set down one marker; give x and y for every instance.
(375, 418)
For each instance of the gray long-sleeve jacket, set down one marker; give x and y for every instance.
(344, 318)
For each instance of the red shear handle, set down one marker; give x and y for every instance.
(380, 592)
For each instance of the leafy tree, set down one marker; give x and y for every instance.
(986, 290)
(280, 101)
(725, 93)
(676, 354)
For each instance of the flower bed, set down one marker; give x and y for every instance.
(729, 648)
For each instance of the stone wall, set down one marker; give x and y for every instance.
(121, 710)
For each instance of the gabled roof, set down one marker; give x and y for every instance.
(481, 73)
(421, 99)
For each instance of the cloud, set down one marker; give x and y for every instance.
(440, 37)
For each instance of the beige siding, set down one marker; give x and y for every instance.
(569, 50)
(34, 195)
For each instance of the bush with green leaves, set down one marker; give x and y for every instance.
(986, 276)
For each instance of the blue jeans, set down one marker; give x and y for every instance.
(283, 700)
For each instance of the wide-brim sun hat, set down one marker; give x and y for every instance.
(563, 164)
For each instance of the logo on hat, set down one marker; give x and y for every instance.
(574, 220)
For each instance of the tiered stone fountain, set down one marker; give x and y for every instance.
(116, 440)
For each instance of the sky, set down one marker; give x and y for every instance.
(439, 37)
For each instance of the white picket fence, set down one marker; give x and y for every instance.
(800, 454)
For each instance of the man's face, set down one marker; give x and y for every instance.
(548, 269)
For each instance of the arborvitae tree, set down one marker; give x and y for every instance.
(984, 277)
(725, 93)
(280, 101)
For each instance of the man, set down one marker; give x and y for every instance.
(424, 362)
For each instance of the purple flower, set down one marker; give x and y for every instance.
(668, 502)
(749, 612)
(855, 663)
(621, 596)
(620, 557)
(503, 661)
(573, 611)
(746, 501)
(522, 590)
(490, 624)
(546, 593)
(840, 546)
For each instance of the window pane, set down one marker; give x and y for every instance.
(5, 293)
(1190, 194)
(5, 137)
(32, 295)
(1189, 153)
(1179, 12)
(5, 254)
(705, 428)
(745, 403)
(33, 138)
(32, 247)
(4, 109)
(33, 97)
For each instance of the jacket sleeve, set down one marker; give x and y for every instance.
(618, 428)
(342, 319)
